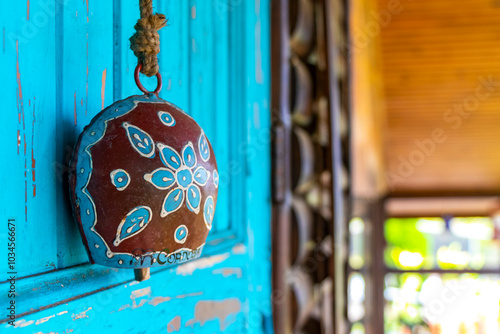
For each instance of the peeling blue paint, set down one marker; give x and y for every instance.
(53, 85)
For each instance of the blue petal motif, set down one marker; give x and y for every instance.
(161, 178)
(166, 118)
(133, 223)
(193, 198)
(184, 178)
(203, 147)
(216, 178)
(201, 175)
(188, 155)
(140, 140)
(172, 202)
(181, 234)
(208, 212)
(169, 156)
(120, 179)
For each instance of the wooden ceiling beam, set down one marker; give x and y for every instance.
(458, 206)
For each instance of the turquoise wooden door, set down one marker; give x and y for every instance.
(62, 62)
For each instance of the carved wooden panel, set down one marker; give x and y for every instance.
(310, 165)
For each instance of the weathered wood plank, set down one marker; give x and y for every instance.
(208, 294)
(27, 92)
(174, 55)
(236, 167)
(85, 86)
(220, 116)
(201, 38)
(258, 162)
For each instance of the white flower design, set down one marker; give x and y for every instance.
(182, 171)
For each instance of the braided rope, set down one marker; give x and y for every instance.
(146, 41)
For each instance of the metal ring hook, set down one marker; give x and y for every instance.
(139, 84)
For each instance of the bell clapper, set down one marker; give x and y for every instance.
(142, 274)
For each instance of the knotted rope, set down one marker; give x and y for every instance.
(146, 41)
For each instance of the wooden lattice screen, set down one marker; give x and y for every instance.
(310, 165)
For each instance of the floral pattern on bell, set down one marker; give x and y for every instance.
(181, 234)
(166, 118)
(133, 223)
(203, 146)
(144, 184)
(216, 179)
(183, 172)
(208, 212)
(120, 179)
(140, 140)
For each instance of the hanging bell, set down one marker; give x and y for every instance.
(143, 183)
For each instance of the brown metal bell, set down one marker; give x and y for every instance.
(144, 185)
